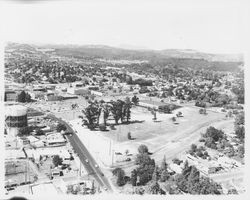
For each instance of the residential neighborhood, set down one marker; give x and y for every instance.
(124, 99)
(73, 119)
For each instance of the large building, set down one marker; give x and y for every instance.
(15, 118)
(10, 95)
(151, 104)
(78, 91)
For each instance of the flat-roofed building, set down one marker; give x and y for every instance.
(151, 104)
(78, 91)
(10, 95)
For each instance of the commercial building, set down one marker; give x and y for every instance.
(151, 104)
(204, 166)
(55, 139)
(52, 97)
(97, 93)
(10, 95)
(78, 91)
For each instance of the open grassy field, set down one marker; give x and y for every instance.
(163, 137)
(144, 128)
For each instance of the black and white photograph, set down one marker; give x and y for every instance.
(138, 98)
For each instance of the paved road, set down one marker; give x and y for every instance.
(84, 154)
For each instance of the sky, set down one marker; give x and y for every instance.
(208, 26)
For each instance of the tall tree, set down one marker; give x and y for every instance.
(106, 111)
(164, 163)
(143, 149)
(193, 180)
(156, 174)
(120, 178)
(21, 97)
(135, 100)
(57, 160)
(133, 178)
(153, 188)
(92, 113)
(116, 110)
(127, 109)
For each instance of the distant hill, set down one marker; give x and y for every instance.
(189, 53)
(178, 57)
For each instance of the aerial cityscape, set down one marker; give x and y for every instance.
(87, 120)
(118, 98)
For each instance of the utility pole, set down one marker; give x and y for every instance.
(26, 171)
(112, 157)
(109, 146)
(80, 167)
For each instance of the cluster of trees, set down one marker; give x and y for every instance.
(239, 126)
(81, 189)
(167, 108)
(23, 97)
(57, 160)
(120, 110)
(143, 90)
(203, 111)
(154, 179)
(121, 177)
(145, 167)
(216, 139)
(140, 81)
(239, 91)
(200, 104)
(190, 181)
(147, 172)
(213, 137)
(61, 127)
(198, 151)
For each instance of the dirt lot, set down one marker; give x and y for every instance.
(18, 172)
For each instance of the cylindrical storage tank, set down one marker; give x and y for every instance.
(15, 118)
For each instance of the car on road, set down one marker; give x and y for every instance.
(86, 160)
(96, 166)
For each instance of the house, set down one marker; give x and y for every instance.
(55, 139)
(204, 166)
(151, 104)
(50, 152)
(50, 96)
(78, 91)
(74, 181)
(176, 168)
(227, 162)
(68, 96)
(97, 93)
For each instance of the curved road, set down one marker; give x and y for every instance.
(84, 155)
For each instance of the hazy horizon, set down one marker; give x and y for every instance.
(209, 27)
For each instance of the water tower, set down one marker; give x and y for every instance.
(15, 118)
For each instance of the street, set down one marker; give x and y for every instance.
(84, 155)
